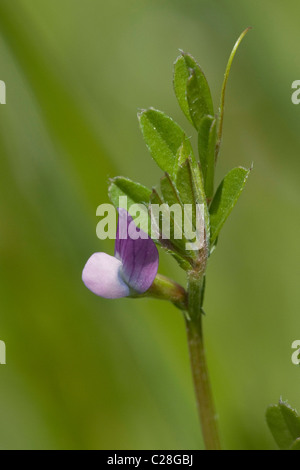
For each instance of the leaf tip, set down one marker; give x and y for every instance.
(140, 112)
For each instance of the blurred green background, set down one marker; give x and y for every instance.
(85, 373)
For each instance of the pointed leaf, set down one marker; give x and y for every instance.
(181, 76)
(171, 198)
(188, 183)
(191, 89)
(224, 86)
(155, 199)
(168, 191)
(197, 106)
(185, 154)
(190, 186)
(162, 136)
(188, 177)
(206, 146)
(135, 193)
(184, 183)
(284, 424)
(225, 199)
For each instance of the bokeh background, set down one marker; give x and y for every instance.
(85, 373)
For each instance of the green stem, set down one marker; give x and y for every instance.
(206, 409)
(164, 288)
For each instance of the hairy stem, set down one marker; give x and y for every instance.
(205, 404)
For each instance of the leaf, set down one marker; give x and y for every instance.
(163, 137)
(175, 247)
(171, 197)
(197, 106)
(206, 146)
(295, 445)
(181, 76)
(168, 190)
(188, 177)
(284, 424)
(224, 86)
(169, 221)
(225, 199)
(192, 90)
(155, 199)
(135, 192)
(292, 419)
(184, 183)
(189, 184)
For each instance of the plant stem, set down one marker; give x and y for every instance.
(206, 409)
(164, 288)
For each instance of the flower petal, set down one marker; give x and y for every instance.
(101, 275)
(139, 256)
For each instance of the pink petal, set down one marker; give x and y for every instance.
(101, 275)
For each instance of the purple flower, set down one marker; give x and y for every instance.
(133, 268)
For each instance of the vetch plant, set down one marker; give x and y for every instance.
(187, 180)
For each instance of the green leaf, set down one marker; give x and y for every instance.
(176, 241)
(184, 183)
(197, 106)
(175, 246)
(284, 424)
(171, 197)
(181, 76)
(225, 199)
(163, 137)
(168, 190)
(189, 184)
(188, 177)
(206, 146)
(295, 445)
(192, 90)
(185, 152)
(135, 192)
